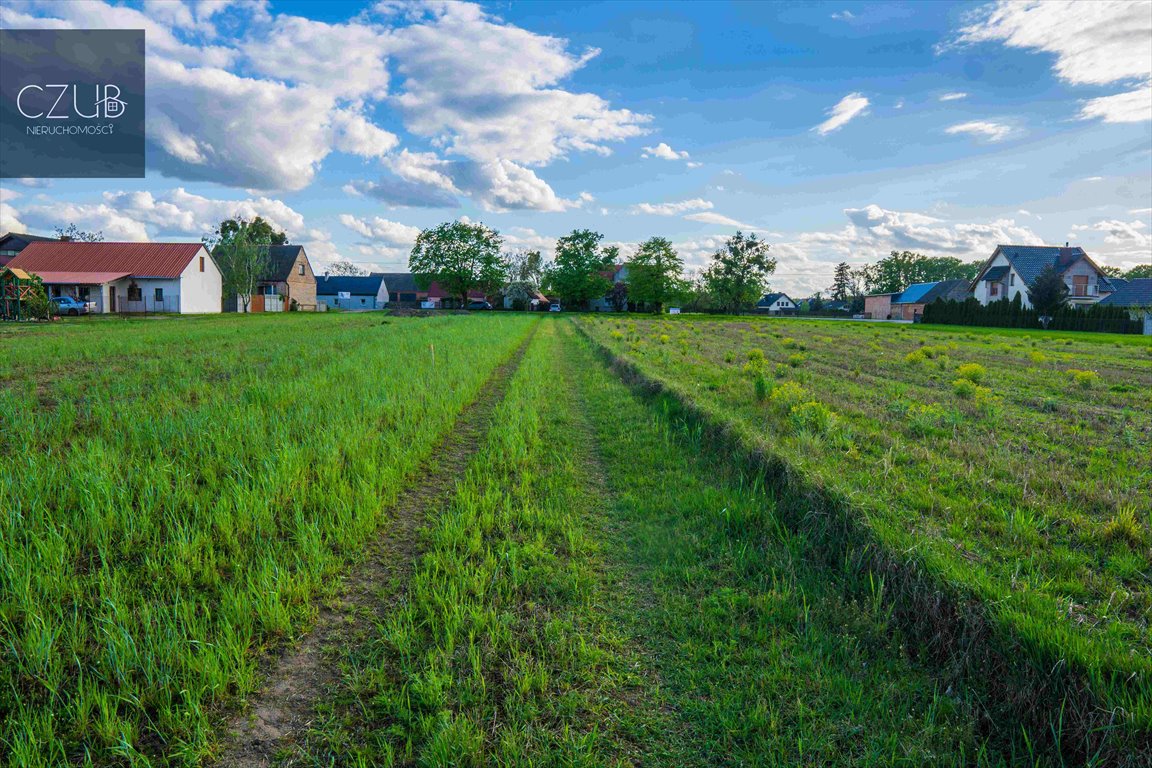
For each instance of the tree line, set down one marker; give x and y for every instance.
(465, 256)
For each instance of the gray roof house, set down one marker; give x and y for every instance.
(1011, 269)
(1134, 294)
(14, 242)
(352, 291)
(776, 303)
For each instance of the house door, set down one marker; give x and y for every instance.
(111, 299)
(257, 303)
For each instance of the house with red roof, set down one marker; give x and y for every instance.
(127, 277)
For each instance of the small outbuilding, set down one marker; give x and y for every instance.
(352, 292)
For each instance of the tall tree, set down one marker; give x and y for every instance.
(345, 268)
(1048, 291)
(241, 253)
(655, 274)
(842, 283)
(259, 231)
(77, 235)
(1137, 272)
(460, 256)
(738, 274)
(577, 274)
(525, 271)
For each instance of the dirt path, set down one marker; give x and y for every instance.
(283, 708)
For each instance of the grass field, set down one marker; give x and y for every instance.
(1012, 470)
(612, 580)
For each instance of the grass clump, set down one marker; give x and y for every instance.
(1125, 527)
(1083, 379)
(788, 395)
(973, 372)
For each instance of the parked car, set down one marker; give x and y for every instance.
(66, 305)
(479, 304)
(554, 308)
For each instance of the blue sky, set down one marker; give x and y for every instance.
(836, 131)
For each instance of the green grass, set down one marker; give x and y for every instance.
(1003, 493)
(176, 495)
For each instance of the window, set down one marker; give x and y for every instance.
(1079, 285)
(82, 292)
(993, 289)
(201, 263)
(301, 268)
(134, 292)
(158, 296)
(1012, 279)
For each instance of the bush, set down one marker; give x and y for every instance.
(664, 339)
(973, 372)
(1037, 357)
(1083, 379)
(796, 360)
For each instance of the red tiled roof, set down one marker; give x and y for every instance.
(137, 259)
(78, 278)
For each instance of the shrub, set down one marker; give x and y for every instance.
(1083, 379)
(1037, 356)
(756, 363)
(781, 370)
(616, 335)
(729, 357)
(974, 372)
(812, 417)
(796, 360)
(664, 338)
(787, 395)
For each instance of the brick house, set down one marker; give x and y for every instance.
(910, 303)
(289, 283)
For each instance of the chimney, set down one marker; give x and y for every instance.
(65, 238)
(1065, 243)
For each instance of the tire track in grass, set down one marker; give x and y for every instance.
(284, 707)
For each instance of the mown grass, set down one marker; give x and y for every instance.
(176, 494)
(975, 459)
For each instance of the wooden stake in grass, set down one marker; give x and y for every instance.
(433, 348)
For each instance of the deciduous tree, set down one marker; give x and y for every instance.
(577, 274)
(345, 268)
(241, 253)
(460, 256)
(738, 274)
(77, 235)
(655, 274)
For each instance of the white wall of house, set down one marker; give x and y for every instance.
(1089, 292)
(782, 304)
(200, 291)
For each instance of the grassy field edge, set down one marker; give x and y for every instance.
(1052, 701)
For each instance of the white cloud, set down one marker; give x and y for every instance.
(1129, 233)
(983, 129)
(716, 218)
(9, 216)
(673, 209)
(487, 90)
(1097, 43)
(389, 232)
(851, 106)
(1141, 211)
(843, 15)
(663, 151)
(142, 215)
(954, 96)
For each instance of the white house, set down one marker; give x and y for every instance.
(776, 303)
(1012, 269)
(128, 277)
